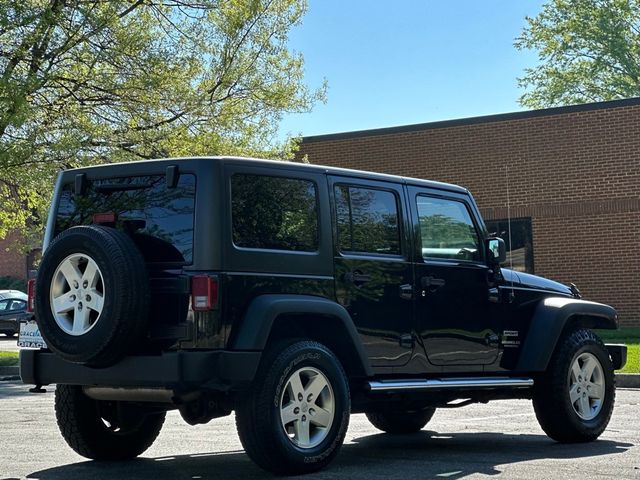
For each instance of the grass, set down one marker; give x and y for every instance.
(8, 359)
(631, 338)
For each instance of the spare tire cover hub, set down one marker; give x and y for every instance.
(77, 294)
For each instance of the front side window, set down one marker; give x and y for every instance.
(275, 213)
(446, 229)
(367, 221)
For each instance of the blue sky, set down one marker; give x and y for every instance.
(409, 61)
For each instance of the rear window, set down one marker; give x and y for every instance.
(158, 219)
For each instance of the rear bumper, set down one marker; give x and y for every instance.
(618, 354)
(214, 370)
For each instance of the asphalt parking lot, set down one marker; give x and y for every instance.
(498, 439)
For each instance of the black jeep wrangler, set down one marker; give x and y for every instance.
(295, 295)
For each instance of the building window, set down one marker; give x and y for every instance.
(367, 221)
(274, 213)
(520, 252)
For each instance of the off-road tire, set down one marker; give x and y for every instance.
(400, 422)
(83, 428)
(551, 399)
(258, 410)
(125, 308)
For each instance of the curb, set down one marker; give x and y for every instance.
(627, 380)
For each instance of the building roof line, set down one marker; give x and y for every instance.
(500, 117)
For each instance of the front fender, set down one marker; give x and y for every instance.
(549, 320)
(253, 332)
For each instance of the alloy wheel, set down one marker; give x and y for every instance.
(307, 407)
(586, 386)
(77, 294)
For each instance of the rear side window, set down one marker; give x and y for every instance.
(158, 219)
(367, 220)
(274, 213)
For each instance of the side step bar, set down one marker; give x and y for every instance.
(448, 383)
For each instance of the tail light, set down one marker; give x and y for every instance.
(204, 293)
(31, 295)
(104, 218)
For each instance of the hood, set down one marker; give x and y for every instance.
(526, 280)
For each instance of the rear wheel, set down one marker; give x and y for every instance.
(294, 418)
(103, 430)
(574, 400)
(401, 421)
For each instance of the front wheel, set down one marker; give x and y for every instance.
(294, 418)
(103, 430)
(574, 400)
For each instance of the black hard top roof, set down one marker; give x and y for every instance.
(122, 168)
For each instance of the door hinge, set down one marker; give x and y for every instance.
(406, 291)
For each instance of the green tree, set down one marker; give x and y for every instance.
(589, 50)
(94, 81)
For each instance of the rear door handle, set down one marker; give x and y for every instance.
(357, 277)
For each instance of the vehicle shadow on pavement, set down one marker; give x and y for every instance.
(423, 455)
(456, 455)
(15, 388)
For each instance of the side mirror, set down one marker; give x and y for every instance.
(496, 251)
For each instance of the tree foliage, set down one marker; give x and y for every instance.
(589, 50)
(94, 81)
(12, 283)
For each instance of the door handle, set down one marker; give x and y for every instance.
(432, 283)
(357, 278)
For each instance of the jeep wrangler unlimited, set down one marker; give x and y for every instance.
(295, 295)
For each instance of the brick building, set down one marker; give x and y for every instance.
(12, 263)
(574, 182)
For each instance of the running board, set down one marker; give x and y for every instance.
(447, 383)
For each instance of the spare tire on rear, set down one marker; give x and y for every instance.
(92, 295)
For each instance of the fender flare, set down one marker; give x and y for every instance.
(253, 332)
(548, 322)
